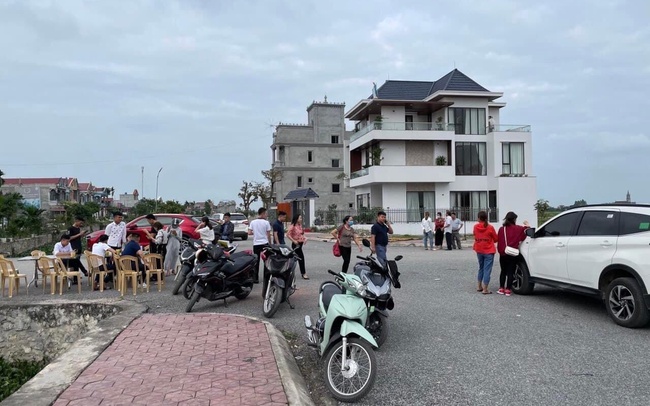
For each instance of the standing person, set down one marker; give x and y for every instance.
(379, 236)
(456, 225)
(160, 239)
(260, 229)
(227, 228)
(76, 234)
(206, 233)
(447, 229)
(490, 124)
(116, 231)
(440, 233)
(174, 238)
(151, 233)
(345, 235)
(278, 228)
(484, 238)
(296, 235)
(510, 235)
(427, 231)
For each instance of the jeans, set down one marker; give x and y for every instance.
(508, 265)
(448, 240)
(381, 253)
(485, 262)
(455, 240)
(301, 255)
(428, 235)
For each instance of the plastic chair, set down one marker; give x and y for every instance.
(127, 266)
(154, 264)
(64, 273)
(9, 273)
(97, 266)
(46, 266)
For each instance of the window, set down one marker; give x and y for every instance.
(513, 158)
(417, 203)
(350, 205)
(336, 187)
(310, 156)
(310, 180)
(467, 121)
(596, 223)
(142, 223)
(299, 181)
(335, 163)
(335, 139)
(468, 204)
(632, 223)
(560, 227)
(471, 158)
(363, 200)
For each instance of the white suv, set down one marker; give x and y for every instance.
(239, 220)
(599, 250)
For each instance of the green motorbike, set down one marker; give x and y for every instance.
(346, 347)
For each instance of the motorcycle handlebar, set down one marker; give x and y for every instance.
(360, 257)
(332, 272)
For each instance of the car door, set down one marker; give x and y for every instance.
(547, 252)
(140, 226)
(592, 248)
(633, 246)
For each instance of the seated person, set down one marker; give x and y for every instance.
(101, 248)
(134, 249)
(227, 228)
(63, 250)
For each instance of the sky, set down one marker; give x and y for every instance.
(99, 89)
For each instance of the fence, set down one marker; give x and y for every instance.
(367, 215)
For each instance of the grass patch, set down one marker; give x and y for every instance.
(289, 335)
(14, 374)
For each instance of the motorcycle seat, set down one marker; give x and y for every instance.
(240, 262)
(327, 292)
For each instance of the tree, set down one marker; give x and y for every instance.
(272, 176)
(262, 191)
(541, 207)
(2, 181)
(579, 203)
(33, 219)
(86, 211)
(146, 206)
(207, 207)
(247, 195)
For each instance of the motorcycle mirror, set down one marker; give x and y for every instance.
(397, 258)
(366, 243)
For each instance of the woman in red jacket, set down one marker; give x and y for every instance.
(484, 238)
(510, 235)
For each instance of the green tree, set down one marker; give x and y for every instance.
(146, 206)
(33, 220)
(262, 191)
(247, 195)
(541, 207)
(207, 207)
(172, 206)
(86, 211)
(272, 176)
(579, 203)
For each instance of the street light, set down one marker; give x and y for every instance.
(157, 177)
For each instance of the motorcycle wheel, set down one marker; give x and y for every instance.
(188, 288)
(272, 300)
(356, 381)
(378, 327)
(244, 294)
(179, 282)
(192, 302)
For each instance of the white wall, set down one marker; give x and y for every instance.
(394, 195)
(442, 195)
(376, 196)
(394, 152)
(440, 148)
(469, 102)
(393, 114)
(518, 195)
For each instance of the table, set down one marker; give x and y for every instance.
(35, 259)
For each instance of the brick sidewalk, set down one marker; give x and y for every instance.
(198, 359)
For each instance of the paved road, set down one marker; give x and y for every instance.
(450, 345)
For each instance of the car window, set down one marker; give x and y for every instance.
(165, 220)
(634, 223)
(599, 223)
(142, 223)
(237, 217)
(560, 227)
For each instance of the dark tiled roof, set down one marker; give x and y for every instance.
(301, 194)
(416, 90)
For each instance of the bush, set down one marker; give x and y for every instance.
(14, 374)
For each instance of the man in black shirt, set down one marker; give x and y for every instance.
(76, 235)
(151, 234)
(278, 228)
(379, 236)
(227, 228)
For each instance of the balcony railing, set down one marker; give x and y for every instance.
(523, 128)
(401, 126)
(360, 173)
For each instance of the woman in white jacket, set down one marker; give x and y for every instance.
(427, 230)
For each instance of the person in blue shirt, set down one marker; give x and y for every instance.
(379, 236)
(133, 249)
(278, 228)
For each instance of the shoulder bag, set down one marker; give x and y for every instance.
(513, 252)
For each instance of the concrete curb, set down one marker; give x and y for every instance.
(44, 388)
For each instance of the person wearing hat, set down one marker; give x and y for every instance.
(116, 231)
(510, 235)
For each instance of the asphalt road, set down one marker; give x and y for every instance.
(450, 345)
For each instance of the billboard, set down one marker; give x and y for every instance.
(31, 195)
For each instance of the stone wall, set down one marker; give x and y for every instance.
(41, 331)
(16, 246)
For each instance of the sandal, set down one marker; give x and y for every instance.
(479, 290)
(489, 292)
(305, 277)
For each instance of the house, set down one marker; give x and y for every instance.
(430, 146)
(48, 194)
(311, 156)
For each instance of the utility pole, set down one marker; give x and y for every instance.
(157, 177)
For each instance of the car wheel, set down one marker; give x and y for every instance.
(521, 284)
(244, 237)
(625, 304)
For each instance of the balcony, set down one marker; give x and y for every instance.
(402, 174)
(519, 128)
(401, 130)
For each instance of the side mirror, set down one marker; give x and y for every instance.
(366, 243)
(397, 258)
(530, 232)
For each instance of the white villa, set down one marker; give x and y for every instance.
(432, 146)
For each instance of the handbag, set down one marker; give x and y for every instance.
(513, 252)
(336, 250)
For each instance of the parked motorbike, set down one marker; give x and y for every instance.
(188, 255)
(219, 276)
(347, 348)
(189, 280)
(280, 263)
(378, 279)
